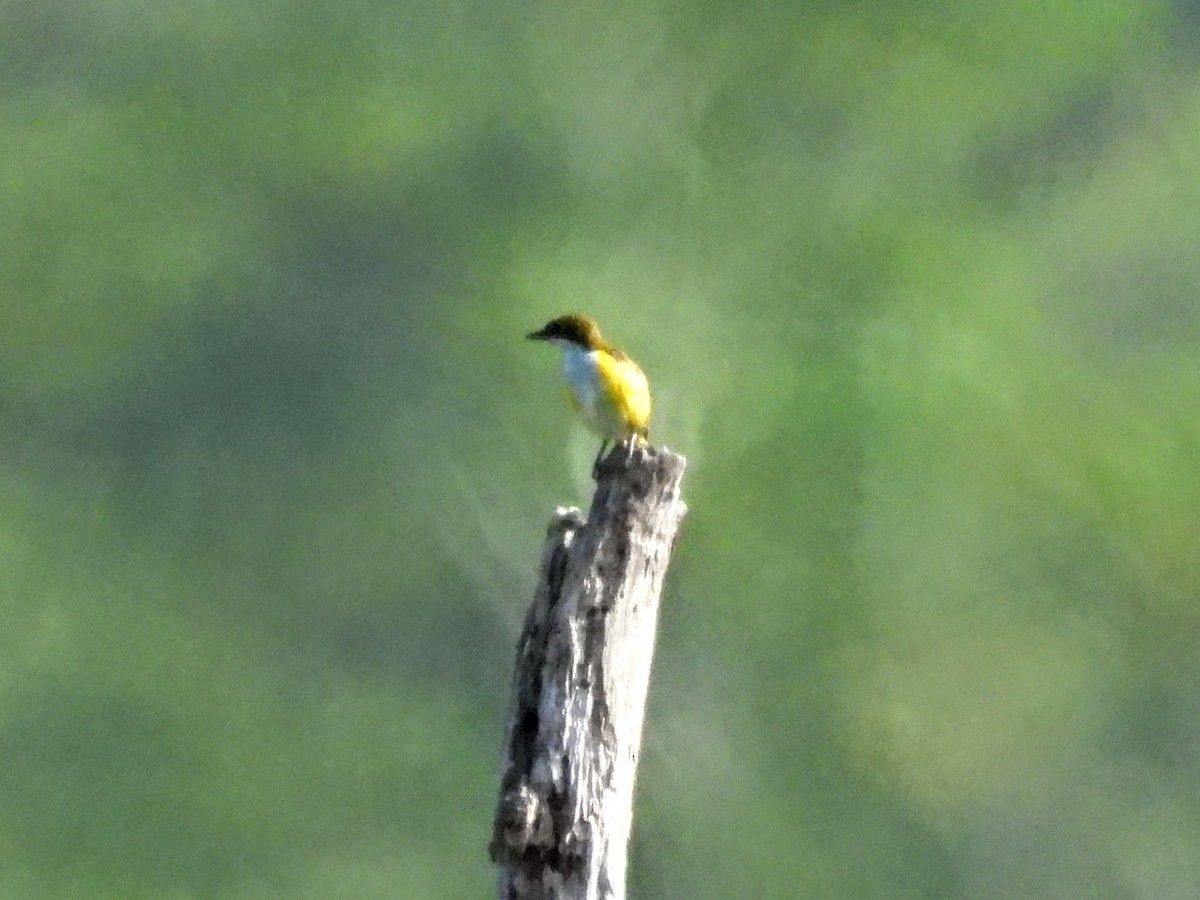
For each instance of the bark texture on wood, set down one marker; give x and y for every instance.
(579, 689)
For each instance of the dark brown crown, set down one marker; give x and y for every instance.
(577, 329)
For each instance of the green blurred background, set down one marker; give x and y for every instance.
(915, 284)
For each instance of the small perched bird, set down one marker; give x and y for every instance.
(606, 387)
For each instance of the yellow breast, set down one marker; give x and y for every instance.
(628, 392)
(610, 392)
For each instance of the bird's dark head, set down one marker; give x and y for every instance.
(581, 331)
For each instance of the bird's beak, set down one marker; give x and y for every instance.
(539, 335)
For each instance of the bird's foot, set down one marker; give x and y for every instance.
(599, 458)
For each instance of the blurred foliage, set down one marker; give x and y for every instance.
(916, 285)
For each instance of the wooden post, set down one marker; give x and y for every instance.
(579, 688)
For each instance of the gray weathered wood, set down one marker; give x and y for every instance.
(579, 689)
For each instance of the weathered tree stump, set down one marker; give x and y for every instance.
(579, 688)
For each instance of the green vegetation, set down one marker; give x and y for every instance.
(916, 286)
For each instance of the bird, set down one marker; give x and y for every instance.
(605, 386)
